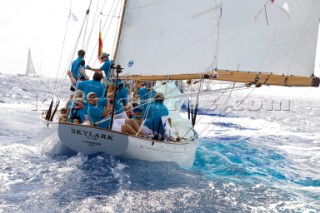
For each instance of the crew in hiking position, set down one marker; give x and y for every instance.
(101, 117)
(146, 94)
(77, 114)
(154, 123)
(122, 99)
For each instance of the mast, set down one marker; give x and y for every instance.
(120, 29)
(111, 85)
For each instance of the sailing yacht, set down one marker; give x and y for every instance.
(255, 42)
(30, 70)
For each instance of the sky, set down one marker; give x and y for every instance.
(41, 25)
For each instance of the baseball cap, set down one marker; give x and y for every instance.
(78, 100)
(89, 94)
(159, 96)
(79, 93)
(104, 55)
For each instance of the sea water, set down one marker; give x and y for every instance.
(258, 152)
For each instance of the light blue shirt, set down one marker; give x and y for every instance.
(91, 86)
(121, 100)
(106, 68)
(153, 120)
(76, 68)
(95, 114)
(144, 94)
(77, 113)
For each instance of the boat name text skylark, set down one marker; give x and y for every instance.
(90, 134)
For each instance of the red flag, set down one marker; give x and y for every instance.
(100, 46)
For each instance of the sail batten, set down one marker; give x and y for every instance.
(182, 38)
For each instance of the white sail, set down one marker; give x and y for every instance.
(190, 37)
(169, 37)
(277, 38)
(30, 67)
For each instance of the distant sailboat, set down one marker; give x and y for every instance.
(31, 71)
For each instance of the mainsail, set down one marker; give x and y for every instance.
(169, 37)
(242, 41)
(30, 67)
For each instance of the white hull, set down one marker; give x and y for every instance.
(89, 140)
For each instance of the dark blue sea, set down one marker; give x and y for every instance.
(258, 152)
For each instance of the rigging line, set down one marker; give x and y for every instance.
(209, 109)
(263, 7)
(206, 93)
(117, 27)
(149, 104)
(214, 102)
(116, 34)
(242, 100)
(219, 117)
(109, 15)
(208, 126)
(70, 59)
(64, 39)
(85, 31)
(71, 55)
(191, 129)
(94, 21)
(271, 42)
(265, 11)
(96, 44)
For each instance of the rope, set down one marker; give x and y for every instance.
(212, 127)
(203, 115)
(64, 39)
(103, 27)
(71, 56)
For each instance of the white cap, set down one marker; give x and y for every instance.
(89, 94)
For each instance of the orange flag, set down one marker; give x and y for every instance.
(100, 46)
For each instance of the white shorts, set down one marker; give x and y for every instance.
(145, 128)
(117, 123)
(121, 115)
